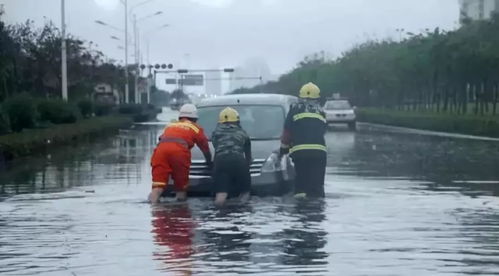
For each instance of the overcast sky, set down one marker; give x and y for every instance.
(223, 33)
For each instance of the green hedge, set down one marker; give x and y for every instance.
(4, 124)
(57, 112)
(20, 112)
(32, 140)
(130, 109)
(444, 122)
(140, 113)
(86, 108)
(103, 109)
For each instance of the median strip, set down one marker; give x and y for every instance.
(487, 126)
(34, 140)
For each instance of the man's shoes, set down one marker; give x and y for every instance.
(181, 196)
(244, 197)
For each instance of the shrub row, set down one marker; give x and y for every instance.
(24, 112)
(453, 123)
(140, 113)
(33, 140)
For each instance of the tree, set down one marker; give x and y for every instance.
(433, 70)
(30, 62)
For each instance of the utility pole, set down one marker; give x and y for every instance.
(64, 66)
(135, 34)
(127, 92)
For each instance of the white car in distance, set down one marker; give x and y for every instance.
(340, 112)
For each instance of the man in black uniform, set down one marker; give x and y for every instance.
(303, 138)
(232, 158)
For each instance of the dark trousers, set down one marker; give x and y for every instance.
(231, 175)
(310, 167)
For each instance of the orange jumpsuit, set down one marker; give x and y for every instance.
(172, 156)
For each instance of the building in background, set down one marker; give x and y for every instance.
(253, 72)
(478, 9)
(213, 83)
(104, 93)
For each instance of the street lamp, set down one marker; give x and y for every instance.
(137, 46)
(100, 22)
(127, 91)
(150, 15)
(147, 33)
(64, 65)
(141, 3)
(114, 37)
(149, 80)
(127, 12)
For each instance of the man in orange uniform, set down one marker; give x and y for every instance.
(172, 156)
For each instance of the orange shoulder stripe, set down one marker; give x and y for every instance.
(186, 125)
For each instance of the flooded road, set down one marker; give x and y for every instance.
(397, 204)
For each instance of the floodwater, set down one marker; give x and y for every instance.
(397, 204)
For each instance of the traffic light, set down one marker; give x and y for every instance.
(158, 66)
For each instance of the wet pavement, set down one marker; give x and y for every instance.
(397, 203)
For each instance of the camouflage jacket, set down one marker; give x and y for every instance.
(231, 138)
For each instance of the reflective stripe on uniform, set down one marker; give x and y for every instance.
(174, 140)
(308, 147)
(309, 115)
(186, 125)
(158, 185)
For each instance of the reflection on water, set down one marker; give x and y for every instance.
(224, 240)
(262, 238)
(438, 159)
(119, 157)
(396, 204)
(173, 230)
(304, 243)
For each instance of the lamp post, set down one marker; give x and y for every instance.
(149, 32)
(127, 11)
(127, 91)
(64, 65)
(150, 80)
(138, 96)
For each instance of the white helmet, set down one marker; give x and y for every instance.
(188, 111)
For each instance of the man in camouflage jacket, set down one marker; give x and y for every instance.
(232, 158)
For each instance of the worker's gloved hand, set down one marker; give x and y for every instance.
(249, 162)
(283, 151)
(209, 164)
